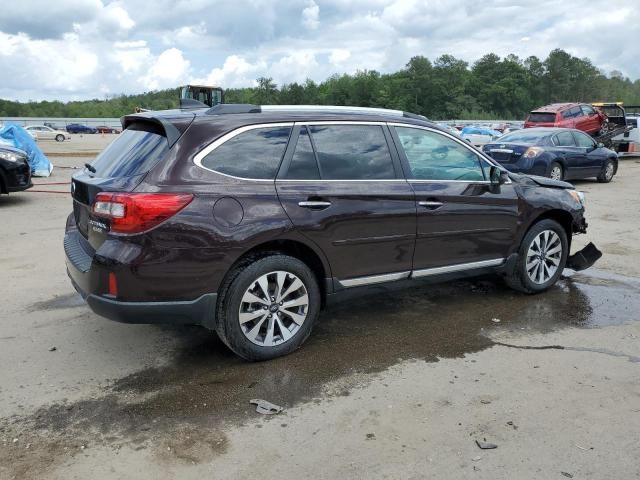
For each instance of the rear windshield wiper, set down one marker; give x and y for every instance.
(90, 167)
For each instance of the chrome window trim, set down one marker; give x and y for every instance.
(197, 160)
(387, 277)
(469, 147)
(425, 272)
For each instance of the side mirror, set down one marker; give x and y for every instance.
(600, 145)
(497, 176)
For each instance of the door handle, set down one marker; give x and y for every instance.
(430, 204)
(315, 204)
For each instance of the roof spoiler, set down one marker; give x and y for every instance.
(170, 130)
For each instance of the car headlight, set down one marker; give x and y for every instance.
(11, 156)
(578, 196)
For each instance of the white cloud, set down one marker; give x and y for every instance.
(168, 70)
(311, 15)
(85, 48)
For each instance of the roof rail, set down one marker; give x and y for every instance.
(226, 108)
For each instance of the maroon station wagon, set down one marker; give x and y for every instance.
(248, 220)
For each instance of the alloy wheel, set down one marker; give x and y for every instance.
(273, 308)
(543, 257)
(556, 172)
(608, 172)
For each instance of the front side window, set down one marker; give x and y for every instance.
(433, 156)
(252, 154)
(352, 152)
(583, 140)
(564, 139)
(587, 110)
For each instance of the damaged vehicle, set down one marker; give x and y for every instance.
(15, 172)
(248, 220)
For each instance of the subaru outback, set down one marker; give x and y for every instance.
(247, 220)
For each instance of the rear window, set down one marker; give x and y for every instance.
(252, 154)
(134, 152)
(540, 117)
(523, 136)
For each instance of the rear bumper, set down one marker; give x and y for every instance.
(86, 276)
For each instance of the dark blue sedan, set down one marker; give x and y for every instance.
(558, 153)
(79, 128)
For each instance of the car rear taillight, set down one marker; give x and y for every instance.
(138, 212)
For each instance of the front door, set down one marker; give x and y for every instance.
(592, 157)
(342, 188)
(464, 222)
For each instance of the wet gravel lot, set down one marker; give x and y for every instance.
(84, 397)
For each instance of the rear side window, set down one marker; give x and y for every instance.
(564, 139)
(303, 164)
(134, 152)
(542, 117)
(252, 154)
(352, 152)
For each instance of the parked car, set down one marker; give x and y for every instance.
(558, 153)
(581, 116)
(79, 128)
(107, 129)
(15, 172)
(253, 218)
(478, 136)
(42, 132)
(452, 130)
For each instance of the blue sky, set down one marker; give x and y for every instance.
(79, 49)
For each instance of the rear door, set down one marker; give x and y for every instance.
(573, 156)
(342, 187)
(463, 221)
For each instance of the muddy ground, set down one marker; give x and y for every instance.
(398, 383)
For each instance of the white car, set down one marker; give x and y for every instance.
(42, 132)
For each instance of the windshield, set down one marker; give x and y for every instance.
(524, 136)
(542, 117)
(134, 152)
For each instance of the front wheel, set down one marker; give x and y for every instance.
(59, 138)
(608, 172)
(541, 258)
(268, 307)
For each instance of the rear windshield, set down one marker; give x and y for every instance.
(539, 117)
(134, 152)
(528, 136)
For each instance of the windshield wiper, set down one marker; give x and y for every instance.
(90, 167)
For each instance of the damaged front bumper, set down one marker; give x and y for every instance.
(584, 258)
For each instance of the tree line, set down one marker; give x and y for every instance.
(445, 88)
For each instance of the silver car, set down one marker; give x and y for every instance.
(42, 132)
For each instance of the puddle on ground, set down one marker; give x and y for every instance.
(206, 387)
(70, 300)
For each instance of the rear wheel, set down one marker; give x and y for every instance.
(541, 258)
(556, 172)
(268, 307)
(59, 138)
(608, 172)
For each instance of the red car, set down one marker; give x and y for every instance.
(581, 116)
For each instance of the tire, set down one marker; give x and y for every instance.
(59, 138)
(556, 167)
(607, 173)
(528, 280)
(268, 330)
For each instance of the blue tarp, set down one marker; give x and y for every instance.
(480, 131)
(20, 138)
